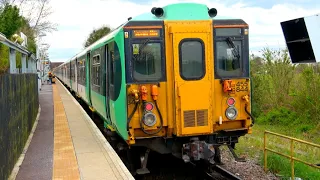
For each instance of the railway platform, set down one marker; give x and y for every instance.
(66, 144)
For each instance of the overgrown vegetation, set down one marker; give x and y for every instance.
(4, 59)
(285, 100)
(283, 93)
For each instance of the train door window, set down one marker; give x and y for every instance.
(111, 55)
(192, 60)
(83, 71)
(79, 69)
(96, 70)
(80, 72)
(71, 70)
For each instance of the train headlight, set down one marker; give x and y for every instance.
(149, 119)
(231, 113)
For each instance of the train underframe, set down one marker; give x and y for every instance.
(193, 149)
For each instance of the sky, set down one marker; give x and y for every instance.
(77, 18)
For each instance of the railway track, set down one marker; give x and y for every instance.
(220, 172)
(164, 167)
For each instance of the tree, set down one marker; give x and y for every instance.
(96, 35)
(30, 33)
(38, 19)
(10, 20)
(36, 13)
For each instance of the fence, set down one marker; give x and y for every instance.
(19, 102)
(19, 105)
(291, 156)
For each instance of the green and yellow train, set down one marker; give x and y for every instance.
(174, 80)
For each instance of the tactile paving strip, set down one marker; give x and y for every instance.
(64, 159)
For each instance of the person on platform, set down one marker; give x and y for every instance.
(50, 77)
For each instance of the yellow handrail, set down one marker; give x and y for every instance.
(291, 157)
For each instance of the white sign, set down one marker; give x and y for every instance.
(25, 39)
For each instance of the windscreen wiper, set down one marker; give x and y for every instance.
(235, 51)
(143, 44)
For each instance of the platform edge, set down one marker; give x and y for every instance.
(104, 142)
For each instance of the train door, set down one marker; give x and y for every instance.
(88, 86)
(192, 62)
(76, 75)
(107, 63)
(69, 75)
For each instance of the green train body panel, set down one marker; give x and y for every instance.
(71, 82)
(118, 109)
(99, 103)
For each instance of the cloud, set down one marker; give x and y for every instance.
(77, 18)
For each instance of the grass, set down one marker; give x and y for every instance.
(251, 146)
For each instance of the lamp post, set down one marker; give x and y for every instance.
(40, 59)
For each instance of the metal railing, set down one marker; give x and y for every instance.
(291, 156)
(29, 65)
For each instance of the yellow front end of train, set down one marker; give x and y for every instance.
(195, 100)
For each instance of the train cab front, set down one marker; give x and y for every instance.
(146, 80)
(232, 111)
(187, 80)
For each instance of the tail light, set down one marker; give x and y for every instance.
(148, 106)
(231, 101)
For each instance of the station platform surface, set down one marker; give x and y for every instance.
(67, 144)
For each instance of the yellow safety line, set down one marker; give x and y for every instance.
(65, 164)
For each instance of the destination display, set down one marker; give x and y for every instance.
(146, 33)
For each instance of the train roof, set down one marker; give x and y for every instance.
(177, 11)
(180, 11)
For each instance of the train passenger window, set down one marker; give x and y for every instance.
(81, 71)
(84, 71)
(147, 61)
(78, 71)
(192, 61)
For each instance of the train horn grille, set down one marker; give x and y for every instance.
(195, 118)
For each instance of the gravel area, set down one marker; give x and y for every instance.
(249, 170)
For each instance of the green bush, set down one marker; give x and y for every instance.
(18, 60)
(283, 93)
(279, 116)
(305, 128)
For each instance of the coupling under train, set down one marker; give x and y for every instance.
(173, 80)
